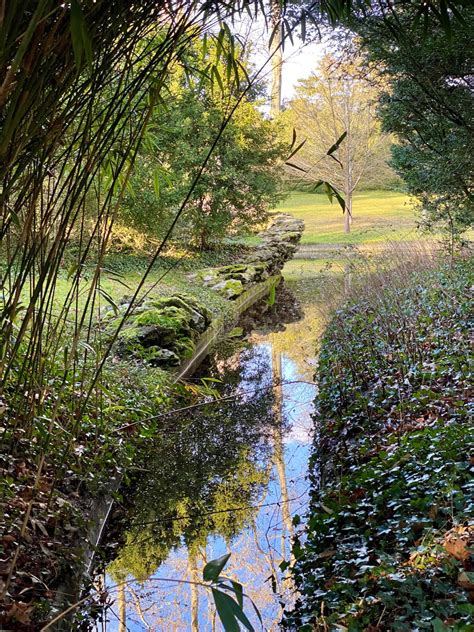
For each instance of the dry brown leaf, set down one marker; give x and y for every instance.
(20, 612)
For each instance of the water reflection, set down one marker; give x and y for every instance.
(231, 478)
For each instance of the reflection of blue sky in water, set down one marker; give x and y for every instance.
(257, 551)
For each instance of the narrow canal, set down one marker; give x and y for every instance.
(228, 477)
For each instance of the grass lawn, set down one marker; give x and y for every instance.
(378, 216)
(122, 274)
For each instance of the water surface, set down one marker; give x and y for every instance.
(229, 477)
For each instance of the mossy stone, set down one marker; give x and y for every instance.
(230, 288)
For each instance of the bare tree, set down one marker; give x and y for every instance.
(339, 101)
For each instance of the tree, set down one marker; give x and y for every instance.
(276, 52)
(335, 108)
(241, 180)
(429, 105)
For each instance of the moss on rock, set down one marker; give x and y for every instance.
(229, 288)
(161, 331)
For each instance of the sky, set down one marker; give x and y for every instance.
(299, 59)
(299, 62)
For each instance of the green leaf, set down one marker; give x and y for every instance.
(438, 625)
(225, 612)
(229, 611)
(334, 147)
(72, 270)
(292, 164)
(81, 42)
(109, 300)
(213, 569)
(216, 75)
(156, 183)
(295, 151)
(239, 591)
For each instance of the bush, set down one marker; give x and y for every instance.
(387, 536)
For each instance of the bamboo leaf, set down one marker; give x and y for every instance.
(105, 295)
(334, 147)
(213, 569)
(230, 610)
(225, 611)
(239, 591)
(81, 42)
(295, 151)
(294, 166)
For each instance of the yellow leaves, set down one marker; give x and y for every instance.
(423, 557)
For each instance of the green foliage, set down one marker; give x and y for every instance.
(429, 106)
(241, 178)
(391, 472)
(201, 463)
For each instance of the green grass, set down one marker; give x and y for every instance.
(161, 281)
(378, 216)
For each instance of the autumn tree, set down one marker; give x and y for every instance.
(335, 112)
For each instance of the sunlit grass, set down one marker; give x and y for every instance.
(378, 216)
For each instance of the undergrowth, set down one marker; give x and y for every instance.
(387, 541)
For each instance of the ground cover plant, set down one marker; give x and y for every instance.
(390, 524)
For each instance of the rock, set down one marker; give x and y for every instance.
(279, 242)
(230, 288)
(163, 358)
(161, 331)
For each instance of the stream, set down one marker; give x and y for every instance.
(228, 477)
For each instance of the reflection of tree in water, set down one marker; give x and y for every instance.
(221, 457)
(296, 338)
(211, 461)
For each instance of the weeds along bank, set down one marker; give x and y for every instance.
(62, 459)
(386, 546)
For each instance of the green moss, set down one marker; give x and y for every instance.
(162, 331)
(238, 267)
(230, 288)
(171, 318)
(181, 300)
(184, 347)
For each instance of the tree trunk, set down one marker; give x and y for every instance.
(347, 220)
(348, 212)
(276, 52)
(194, 573)
(122, 606)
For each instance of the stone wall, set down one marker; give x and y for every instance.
(164, 331)
(278, 244)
